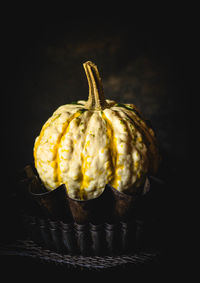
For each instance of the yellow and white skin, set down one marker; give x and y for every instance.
(89, 144)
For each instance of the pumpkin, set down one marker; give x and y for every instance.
(88, 144)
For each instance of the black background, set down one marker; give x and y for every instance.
(145, 62)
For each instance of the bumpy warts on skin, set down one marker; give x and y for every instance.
(87, 144)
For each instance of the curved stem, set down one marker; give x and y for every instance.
(96, 100)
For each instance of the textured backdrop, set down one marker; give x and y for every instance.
(145, 62)
(140, 64)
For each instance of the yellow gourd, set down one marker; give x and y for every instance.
(87, 144)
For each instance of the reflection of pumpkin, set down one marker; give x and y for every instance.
(86, 145)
